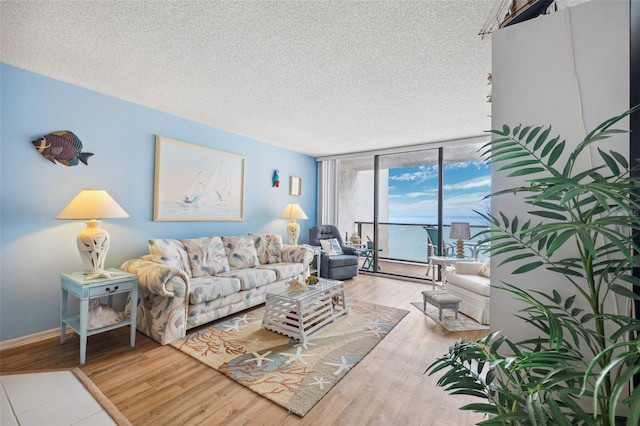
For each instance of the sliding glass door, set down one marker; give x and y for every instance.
(409, 200)
(402, 204)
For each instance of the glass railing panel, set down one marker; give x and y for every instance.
(403, 247)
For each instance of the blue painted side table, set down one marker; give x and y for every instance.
(86, 289)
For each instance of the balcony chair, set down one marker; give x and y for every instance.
(433, 247)
(334, 266)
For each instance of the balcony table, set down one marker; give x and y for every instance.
(444, 262)
(367, 265)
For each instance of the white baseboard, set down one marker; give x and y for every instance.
(32, 338)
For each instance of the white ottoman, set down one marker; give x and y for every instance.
(441, 300)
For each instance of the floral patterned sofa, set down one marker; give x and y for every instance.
(186, 283)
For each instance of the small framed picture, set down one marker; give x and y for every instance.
(295, 185)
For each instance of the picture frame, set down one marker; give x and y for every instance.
(197, 183)
(295, 185)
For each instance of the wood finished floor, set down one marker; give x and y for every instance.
(159, 385)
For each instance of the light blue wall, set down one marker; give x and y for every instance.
(36, 248)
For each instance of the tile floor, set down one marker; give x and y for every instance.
(53, 398)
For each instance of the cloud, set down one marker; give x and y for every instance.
(479, 182)
(480, 165)
(456, 205)
(472, 184)
(416, 194)
(422, 174)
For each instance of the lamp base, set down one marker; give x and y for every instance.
(93, 245)
(460, 249)
(293, 231)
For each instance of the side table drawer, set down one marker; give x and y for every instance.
(109, 289)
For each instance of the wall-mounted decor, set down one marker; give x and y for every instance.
(63, 147)
(196, 183)
(295, 184)
(275, 179)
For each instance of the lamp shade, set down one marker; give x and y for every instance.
(460, 231)
(92, 204)
(293, 211)
(93, 241)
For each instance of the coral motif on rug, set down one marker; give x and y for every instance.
(293, 374)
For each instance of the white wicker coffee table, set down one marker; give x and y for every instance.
(300, 313)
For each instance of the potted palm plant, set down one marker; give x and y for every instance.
(579, 368)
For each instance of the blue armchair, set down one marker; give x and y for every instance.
(334, 266)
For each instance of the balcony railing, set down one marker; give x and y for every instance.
(408, 242)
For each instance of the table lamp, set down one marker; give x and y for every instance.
(460, 231)
(93, 241)
(293, 212)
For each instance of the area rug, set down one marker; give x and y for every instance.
(293, 374)
(449, 321)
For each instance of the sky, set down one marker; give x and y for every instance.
(413, 193)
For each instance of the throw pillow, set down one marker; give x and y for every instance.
(269, 248)
(331, 246)
(335, 245)
(241, 253)
(326, 246)
(207, 256)
(485, 269)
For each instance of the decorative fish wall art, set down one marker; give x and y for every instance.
(275, 179)
(63, 147)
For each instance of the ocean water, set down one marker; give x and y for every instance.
(409, 242)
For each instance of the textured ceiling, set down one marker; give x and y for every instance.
(320, 78)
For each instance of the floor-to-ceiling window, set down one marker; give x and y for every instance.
(398, 198)
(467, 183)
(409, 202)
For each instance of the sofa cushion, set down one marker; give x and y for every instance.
(268, 247)
(284, 270)
(241, 253)
(204, 289)
(468, 268)
(251, 277)
(206, 256)
(171, 253)
(473, 283)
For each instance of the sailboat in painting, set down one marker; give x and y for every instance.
(209, 189)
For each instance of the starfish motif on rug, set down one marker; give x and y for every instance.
(319, 382)
(235, 326)
(376, 328)
(298, 356)
(243, 319)
(343, 366)
(259, 358)
(305, 343)
(253, 342)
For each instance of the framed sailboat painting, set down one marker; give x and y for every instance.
(197, 183)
